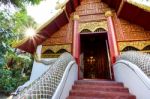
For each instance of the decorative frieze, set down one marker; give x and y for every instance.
(140, 45)
(55, 50)
(92, 26)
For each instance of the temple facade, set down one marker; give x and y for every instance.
(95, 32)
(95, 36)
(99, 36)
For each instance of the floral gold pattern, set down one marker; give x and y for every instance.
(92, 26)
(137, 44)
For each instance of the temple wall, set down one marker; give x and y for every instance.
(131, 36)
(58, 42)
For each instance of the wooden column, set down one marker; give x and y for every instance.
(76, 41)
(112, 37)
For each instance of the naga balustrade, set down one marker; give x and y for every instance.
(45, 86)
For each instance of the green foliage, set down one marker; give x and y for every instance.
(15, 66)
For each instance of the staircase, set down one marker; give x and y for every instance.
(99, 89)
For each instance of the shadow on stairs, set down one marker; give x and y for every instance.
(99, 89)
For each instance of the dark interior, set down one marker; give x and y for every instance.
(95, 56)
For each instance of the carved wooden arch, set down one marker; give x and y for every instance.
(56, 48)
(146, 47)
(48, 51)
(100, 30)
(128, 48)
(62, 51)
(85, 30)
(92, 26)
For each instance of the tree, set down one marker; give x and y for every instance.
(15, 67)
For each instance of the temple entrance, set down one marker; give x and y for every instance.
(94, 56)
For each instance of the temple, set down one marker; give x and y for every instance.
(95, 33)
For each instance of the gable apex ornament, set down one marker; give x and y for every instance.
(76, 17)
(108, 13)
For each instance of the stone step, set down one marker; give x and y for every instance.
(100, 83)
(117, 97)
(97, 80)
(100, 88)
(101, 94)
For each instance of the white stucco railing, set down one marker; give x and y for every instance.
(126, 70)
(69, 77)
(46, 85)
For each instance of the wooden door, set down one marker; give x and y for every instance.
(95, 57)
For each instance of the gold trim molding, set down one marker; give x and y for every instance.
(137, 44)
(56, 48)
(92, 26)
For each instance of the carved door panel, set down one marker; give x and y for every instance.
(95, 57)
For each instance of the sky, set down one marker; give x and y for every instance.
(44, 11)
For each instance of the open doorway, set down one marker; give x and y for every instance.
(94, 56)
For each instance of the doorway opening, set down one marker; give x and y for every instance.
(94, 56)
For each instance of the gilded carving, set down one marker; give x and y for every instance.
(137, 44)
(92, 11)
(92, 26)
(56, 48)
(90, 18)
(130, 32)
